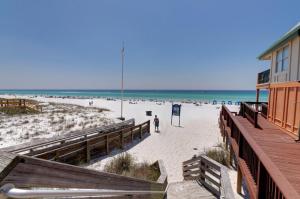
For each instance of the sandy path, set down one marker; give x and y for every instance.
(199, 129)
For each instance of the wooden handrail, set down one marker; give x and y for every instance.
(10, 191)
(62, 139)
(210, 173)
(271, 169)
(85, 147)
(22, 103)
(28, 172)
(250, 113)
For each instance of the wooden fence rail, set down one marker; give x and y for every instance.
(36, 170)
(210, 173)
(250, 110)
(68, 138)
(28, 172)
(259, 182)
(88, 147)
(250, 113)
(20, 103)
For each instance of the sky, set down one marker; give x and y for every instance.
(169, 44)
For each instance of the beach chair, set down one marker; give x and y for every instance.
(215, 102)
(229, 102)
(237, 103)
(223, 102)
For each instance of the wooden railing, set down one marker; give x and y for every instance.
(264, 110)
(35, 174)
(20, 103)
(210, 174)
(249, 112)
(89, 147)
(263, 77)
(259, 182)
(67, 138)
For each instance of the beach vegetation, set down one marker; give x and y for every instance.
(125, 164)
(17, 110)
(219, 154)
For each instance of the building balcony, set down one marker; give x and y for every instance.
(263, 79)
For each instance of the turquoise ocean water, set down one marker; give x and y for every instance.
(192, 95)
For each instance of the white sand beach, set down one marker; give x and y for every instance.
(173, 144)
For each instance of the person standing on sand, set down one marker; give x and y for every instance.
(156, 123)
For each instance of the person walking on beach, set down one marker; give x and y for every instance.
(156, 123)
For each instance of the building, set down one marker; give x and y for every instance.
(283, 81)
(263, 137)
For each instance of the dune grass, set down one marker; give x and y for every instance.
(17, 110)
(219, 154)
(125, 164)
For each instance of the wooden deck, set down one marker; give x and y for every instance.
(267, 157)
(280, 153)
(41, 163)
(85, 145)
(27, 172)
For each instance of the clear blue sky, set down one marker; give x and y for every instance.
(175, 44)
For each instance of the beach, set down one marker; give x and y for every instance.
(173, 144)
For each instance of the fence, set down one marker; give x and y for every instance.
(210, 173)
(84, 147)
(260, 184)
(20, 103)
(250, 110)
(37, 178)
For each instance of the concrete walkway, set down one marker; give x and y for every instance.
(188, 190)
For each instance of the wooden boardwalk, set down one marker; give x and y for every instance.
(188, 190)
(27, 172)
(42, 163)
(67, 137)
(268, 158)
(280, 153)
(85, 145)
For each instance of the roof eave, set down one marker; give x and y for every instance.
(278, 43)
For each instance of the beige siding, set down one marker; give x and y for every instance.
(299, 59)
(293, 72)
(294, 59)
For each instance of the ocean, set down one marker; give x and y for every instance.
(175, 95)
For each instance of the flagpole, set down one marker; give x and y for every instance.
(122, 83)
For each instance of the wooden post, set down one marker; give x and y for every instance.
(88, 154)
(56, 155)
(257, 95)
(258, 180)
(107, 145)
(262, 182)
(148, 123)
(226, 142)
(122, 140)
(202, 170)
(141, 134)
(255, 119)
(131, 132)
(239, 180)
(230, 155)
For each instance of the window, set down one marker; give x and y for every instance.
(282, 60)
